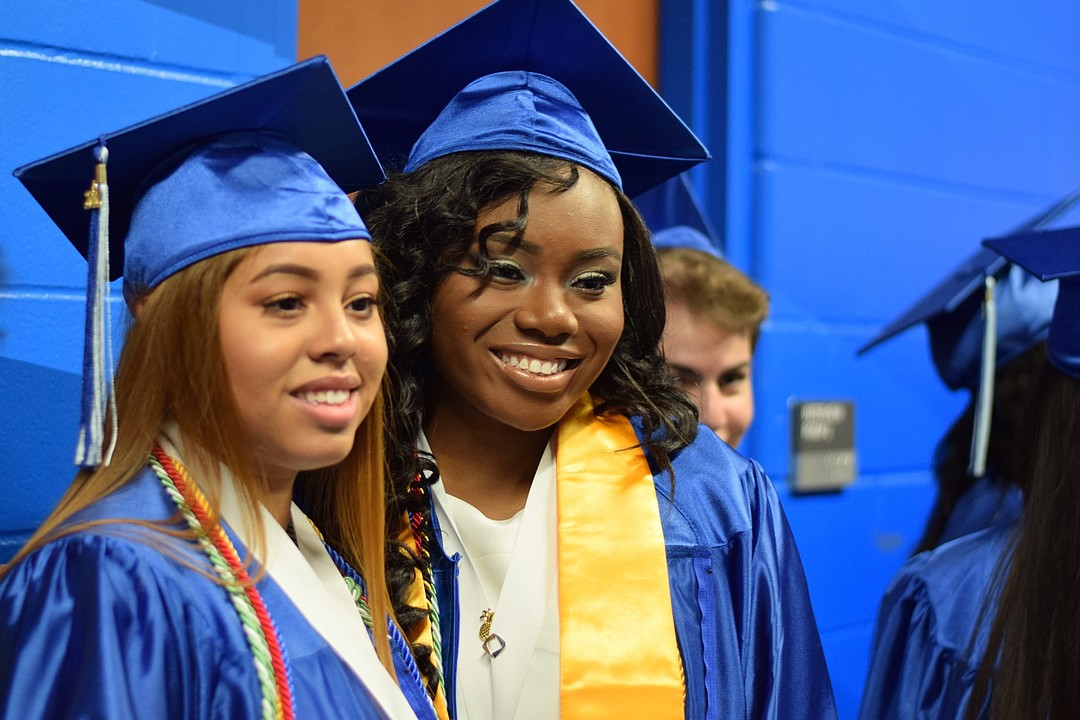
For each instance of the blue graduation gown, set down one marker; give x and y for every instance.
(929, 640)
(746, 631)
(987, 502)
(116, 622)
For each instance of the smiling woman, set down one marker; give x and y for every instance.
(177, 577)
(304, 350)
(527, 341)
(574, 547)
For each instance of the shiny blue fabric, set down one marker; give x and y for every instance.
(303, 102)
(516, 110)
(1063, 346)
(102, 624)
(1024, 307)
(987, 502)
(684, 236)
(646, 141)
(746, 631)
(931, 630)
(235, 191)
(675, 218)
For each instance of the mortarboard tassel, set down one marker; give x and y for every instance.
(984, 403)
(97, 390)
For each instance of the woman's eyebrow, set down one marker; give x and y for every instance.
(533, 249)
(287, 269)
(362, 271)
(598, 253)
(308, 273)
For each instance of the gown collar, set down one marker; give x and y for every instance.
(307, 575)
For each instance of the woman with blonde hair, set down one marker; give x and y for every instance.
(177, 577)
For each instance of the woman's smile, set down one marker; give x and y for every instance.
(537, 374)
(330, 403)
(519, 346)
(304, 349)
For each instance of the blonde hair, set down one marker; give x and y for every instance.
(172, 368)
(714, 289)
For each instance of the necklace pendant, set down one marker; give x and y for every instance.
(492, 643)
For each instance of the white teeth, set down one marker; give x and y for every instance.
(332, 397)
(540, 367)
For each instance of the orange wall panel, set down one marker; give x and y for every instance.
(360, 36)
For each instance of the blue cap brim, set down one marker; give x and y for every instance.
(304, 103)
(647, 141)
(1053, 254)
(1047, 254)
(962, 283)
(684, 236)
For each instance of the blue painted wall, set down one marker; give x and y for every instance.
(861, 149)
(69, 70)
(869, 146)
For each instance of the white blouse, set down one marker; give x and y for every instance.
(508, 566)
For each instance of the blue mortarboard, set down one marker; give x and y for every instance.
(1053, 254)
(984, 314)
(304, 103)
(675, 218)
(953, 310)
(267, 161)
(533, 75)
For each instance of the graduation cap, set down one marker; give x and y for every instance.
(953, 314)
(531, 75)
(266, 161)
(684, 236)
(953, 309)
(1052, 254)
(304, 103)
(675, 218)
(984, 314)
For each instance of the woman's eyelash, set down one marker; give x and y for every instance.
(365, 304)
(503, 270)
(283, 302)
(732, 377)
(596, 280)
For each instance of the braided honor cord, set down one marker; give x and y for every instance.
(267, 649)
(416, 522)
(398, 643)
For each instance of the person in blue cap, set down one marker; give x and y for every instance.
(929, 635)
(177, 577)
(586, 551)
(714, 311)
(1029, 665)
(974, 495)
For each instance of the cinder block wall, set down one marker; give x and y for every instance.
(70, 70)
(869, 146)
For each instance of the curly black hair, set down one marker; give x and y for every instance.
(424, 223)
